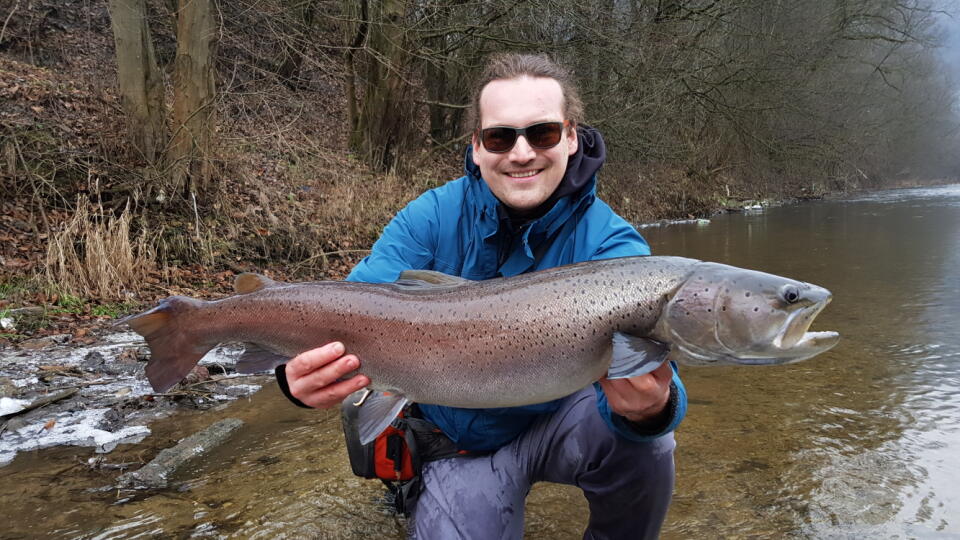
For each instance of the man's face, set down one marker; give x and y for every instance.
(523, 177)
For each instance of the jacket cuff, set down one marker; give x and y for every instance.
(281, 372)
(653, 427)
(675, 410)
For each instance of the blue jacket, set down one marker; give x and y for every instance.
(459, 229)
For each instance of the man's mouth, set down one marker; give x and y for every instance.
(524, 174)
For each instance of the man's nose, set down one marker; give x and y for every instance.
(522, 152)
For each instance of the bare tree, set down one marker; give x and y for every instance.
(191, 152)
(141, 84)
(383, 120)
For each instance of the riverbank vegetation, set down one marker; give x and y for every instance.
(155, 146)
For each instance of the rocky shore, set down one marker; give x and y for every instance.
(58, 390)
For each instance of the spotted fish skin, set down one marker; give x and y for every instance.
(496, 343)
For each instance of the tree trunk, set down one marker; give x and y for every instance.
(192, 145)
(141, 86)
(384, 121)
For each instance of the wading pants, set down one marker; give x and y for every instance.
(627, 484)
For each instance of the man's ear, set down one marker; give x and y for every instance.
(476, 144)
(573, 142)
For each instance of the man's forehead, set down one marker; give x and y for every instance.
(521, 101)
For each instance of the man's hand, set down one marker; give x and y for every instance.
(313, 376)
(639, 399)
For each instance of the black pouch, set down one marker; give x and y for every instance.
(397, 455)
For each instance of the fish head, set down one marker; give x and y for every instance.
(727, 315)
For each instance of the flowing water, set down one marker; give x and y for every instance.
(861, 442)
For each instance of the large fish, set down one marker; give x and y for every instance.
(434, 338)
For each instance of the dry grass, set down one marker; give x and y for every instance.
(93, 255)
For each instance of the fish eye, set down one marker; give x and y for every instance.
(790, 294)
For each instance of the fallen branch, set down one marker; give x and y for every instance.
(156, 474)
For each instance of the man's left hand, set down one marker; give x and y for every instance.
(640, 399)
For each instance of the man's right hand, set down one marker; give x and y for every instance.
(313, 376)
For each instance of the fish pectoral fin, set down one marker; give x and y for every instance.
(427, 278)
(256, 359)
(376, 412)
(634, 356)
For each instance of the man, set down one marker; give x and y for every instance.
(526, 203)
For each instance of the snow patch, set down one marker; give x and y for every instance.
(76, 429)
(10, 405)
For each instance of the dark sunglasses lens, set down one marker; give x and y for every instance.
(545, 135)
(498, 139)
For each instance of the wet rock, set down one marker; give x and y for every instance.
(121, 369)
(8, 389)
(93, 361)
(156, 474)
(112, 421)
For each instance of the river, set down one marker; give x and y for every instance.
(862, 441)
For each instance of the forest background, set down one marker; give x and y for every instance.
(149, 147)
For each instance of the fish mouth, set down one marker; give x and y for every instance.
(795, 342)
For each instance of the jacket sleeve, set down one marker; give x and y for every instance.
(625, 241)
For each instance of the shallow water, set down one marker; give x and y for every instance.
(864, 440)
(859, 442)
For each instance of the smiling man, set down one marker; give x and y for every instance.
(527, 202)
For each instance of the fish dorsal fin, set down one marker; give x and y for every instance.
(429, 277)
(249, 282)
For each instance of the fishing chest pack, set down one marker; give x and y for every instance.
(397, 455)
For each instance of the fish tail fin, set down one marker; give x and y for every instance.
(175, 348)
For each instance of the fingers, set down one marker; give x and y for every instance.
(314, 376)
(332, 394)
(314, 359)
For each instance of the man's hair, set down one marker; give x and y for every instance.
(513, 65)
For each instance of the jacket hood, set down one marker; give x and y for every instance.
(581, 170)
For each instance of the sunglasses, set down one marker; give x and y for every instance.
(541, 136)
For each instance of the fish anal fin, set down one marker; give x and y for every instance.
(249, 282)
(376, 413)
(634, 356)
(256, 359)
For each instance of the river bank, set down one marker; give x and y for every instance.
(55, 391)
